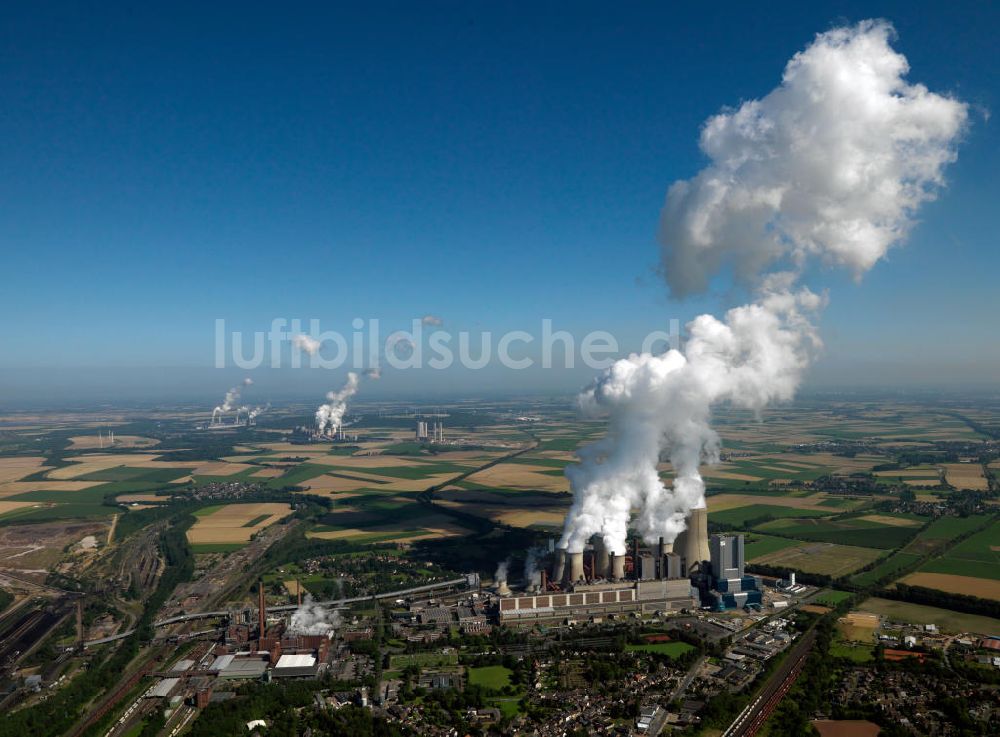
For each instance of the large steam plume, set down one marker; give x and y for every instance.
(232, 397)
(832, 164)
(332, 413)
(311, 618)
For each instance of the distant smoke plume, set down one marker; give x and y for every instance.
(331, 414)
(232, 397)
(314, 619)
(431, 320)
(833, 163)
(307, 344)
(257, 411)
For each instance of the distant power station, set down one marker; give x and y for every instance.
(595, 583)
(434, 435)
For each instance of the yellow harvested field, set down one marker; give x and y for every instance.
(520, 476)
(827, 558)
(89, 442)
(984, 588)
(267, 473)
(149, 498)
(11, 506)
(909, 473)
(12, 469)
(884, 519)
(293, 588)
(528, 517)
(219, 468)
(102, 461)
(714, 473)
(965, 476)
(721, 502)
(12, 488)
(227, 525)
(435, 529)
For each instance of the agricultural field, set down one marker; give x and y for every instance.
(872, 531)
(231, 524)
(945, 619)
(965, 476)
(972, 567)
(823, 558)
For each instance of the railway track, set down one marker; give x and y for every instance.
(752, 718)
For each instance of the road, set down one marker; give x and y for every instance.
(752, 718)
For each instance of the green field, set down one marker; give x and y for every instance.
(671, 649)
(891, 565)
(756, 546)
(948, 528)
(490, 676)
(945, 619)
(739, 516)
(977, 556)
(831, 598)
(857, 653)
(850, 531)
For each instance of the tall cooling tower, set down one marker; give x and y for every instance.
(695, 543)
(602, 564)
(560, 565)
(575, 567)
(618, 567)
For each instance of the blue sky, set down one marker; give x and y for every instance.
(491, 164)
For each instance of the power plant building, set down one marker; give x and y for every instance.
(731, 587)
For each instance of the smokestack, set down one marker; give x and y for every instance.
(575, 567)
(560, 565)
(261, 611)
(663, 548)
(545, 581)
(602, 563)
(617, 567)
(695, 549)
(298, 590)
(636, 573)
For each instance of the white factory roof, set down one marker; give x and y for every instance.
(296, 661)
(222, 662)
(181, 665)
(161, 689)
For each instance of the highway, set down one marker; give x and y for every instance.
(333, 604)
(752, 718)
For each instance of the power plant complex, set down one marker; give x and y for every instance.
(592, 584)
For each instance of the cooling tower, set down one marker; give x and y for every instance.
(560, 565)
(695, 546)
(575, 567)
(602, 564)
(503, 589)
(617, 567)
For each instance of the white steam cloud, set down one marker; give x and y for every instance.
(231, 399)
(832, 164)
(307, 344)
(314, 619)
(331, 414)
(432, 320)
